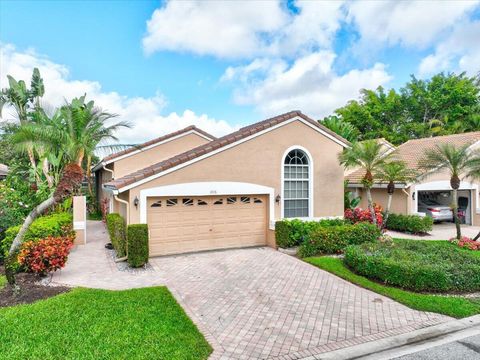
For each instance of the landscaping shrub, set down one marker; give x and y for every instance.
(466, 242)
(58, 224)
(334, 239)
(137, 235)
(409, 223)
(290, 233)
(357, 215)
(45, 255)
(417, 265)
(116, 227)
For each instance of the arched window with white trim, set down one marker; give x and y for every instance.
(296, 178)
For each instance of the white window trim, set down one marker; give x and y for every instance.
(444, 185)
(229, 146)
(310, 180)
(209, 188)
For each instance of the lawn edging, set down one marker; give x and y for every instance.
(453, 306)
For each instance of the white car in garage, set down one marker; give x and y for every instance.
(435, 210)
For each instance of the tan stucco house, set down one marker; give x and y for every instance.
(197, 192)
(428, 186)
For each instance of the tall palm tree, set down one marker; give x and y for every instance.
(76, 128)
(369, 156)
(457, 161)
(395, 171)
(23, 101)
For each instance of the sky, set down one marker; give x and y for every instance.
(220, 65)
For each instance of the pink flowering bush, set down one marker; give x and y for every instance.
(466, 242)
(363, 215)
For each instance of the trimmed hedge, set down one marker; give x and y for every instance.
(58, 224)
(117, 229)
(417, 265)
(137, 235)
(334, 239)
(409, 223)
(290, 233)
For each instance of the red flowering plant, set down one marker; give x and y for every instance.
(46, 255)
(364, 215)
(466, 242)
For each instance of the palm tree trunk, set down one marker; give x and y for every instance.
(17, 242)
(387, 211)
(455, 213)
(45, 169)
(370, 205)
(89, 175)
(33, 163)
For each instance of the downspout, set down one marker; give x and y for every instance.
(127, 205)
(109, 170)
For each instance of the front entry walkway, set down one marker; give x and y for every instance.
(256, 303)
(440, 231)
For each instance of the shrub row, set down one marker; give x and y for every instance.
(137, 235)
(409, 223)
(334, 239)
(58, 224)
(117, 229)
(290, 233)
(417, 265)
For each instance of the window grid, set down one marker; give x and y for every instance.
(296, 185)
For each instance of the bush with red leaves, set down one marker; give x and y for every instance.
(466, 242)
(46, 255)
(364, 215)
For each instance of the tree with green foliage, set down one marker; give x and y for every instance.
(77, 128)
(391, 172)
(443, 105)
(458, 161)
(342, 128)
(369, 156)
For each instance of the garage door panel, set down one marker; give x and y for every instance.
(204, 223)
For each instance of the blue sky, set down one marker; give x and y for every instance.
(225, 64)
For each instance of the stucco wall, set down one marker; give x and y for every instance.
(259, 161)
(156, 154)
(380, 196)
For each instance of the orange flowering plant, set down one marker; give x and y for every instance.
(46, 255)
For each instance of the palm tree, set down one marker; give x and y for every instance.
(395, 171)
(342, 128)
(369, 156)
(457, 161)
(23, 100)
(76, 129)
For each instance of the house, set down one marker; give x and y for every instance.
(433, 186)
(3, 171)
(208, 193)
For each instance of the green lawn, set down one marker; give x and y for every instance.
(3, 281)
(98, 324)
(452, 306)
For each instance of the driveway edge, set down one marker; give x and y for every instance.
(387, 344)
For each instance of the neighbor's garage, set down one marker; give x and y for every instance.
(443, 198)
(187, 224)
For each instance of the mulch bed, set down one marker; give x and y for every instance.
(30, 290)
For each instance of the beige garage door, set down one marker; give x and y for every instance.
(186, 224)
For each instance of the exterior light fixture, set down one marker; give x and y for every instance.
(135, 201)
(277, 199)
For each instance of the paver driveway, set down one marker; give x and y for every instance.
(260, 303)
(255, 303)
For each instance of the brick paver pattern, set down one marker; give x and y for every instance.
(254, 303)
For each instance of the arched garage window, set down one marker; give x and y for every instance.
(296, 184)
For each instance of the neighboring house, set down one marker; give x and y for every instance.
(229, 192)
(3, 171)
(429, 187)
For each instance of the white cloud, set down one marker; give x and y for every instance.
(241, 29)
(409, 23)
(309, 84)
(145, 114)
(460, 51)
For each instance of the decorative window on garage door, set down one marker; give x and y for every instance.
(296, 184)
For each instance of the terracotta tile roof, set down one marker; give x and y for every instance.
(157, 140)
(214, 145)
(413, 150)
